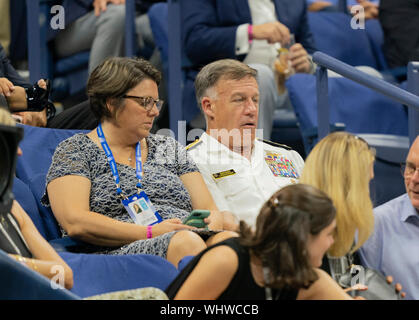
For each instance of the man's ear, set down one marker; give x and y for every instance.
(207, 105)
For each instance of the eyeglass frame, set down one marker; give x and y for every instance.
(403, 167)
(156, 102)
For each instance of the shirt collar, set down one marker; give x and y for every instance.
(408, 210)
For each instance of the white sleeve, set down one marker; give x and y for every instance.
(242, 39)
(298, 160)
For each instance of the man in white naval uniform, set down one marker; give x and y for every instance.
(241, 172)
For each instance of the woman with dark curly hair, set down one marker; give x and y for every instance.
(278, 260)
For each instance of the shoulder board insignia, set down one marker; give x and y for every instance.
(193, 144)
(223, 174)
(275, 144)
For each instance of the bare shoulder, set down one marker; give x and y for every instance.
(221, 257)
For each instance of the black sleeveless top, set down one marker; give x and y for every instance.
(241, 287)
(11, 238)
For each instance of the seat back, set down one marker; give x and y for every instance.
(38, 147)
(334, 36)
(97, 273)
(391, 151)
(359, 109)
(25, 198)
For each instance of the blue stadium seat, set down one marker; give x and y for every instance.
(38, 146)
(358, 108)
(24, 196)
(334, 36)
(21, 283)
(69, 75)
(95, 274)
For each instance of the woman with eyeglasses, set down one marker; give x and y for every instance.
(278, 260)
(96, 180)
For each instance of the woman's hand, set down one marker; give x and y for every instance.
(169, 225)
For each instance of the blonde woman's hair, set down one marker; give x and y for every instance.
(6, 118)
(340, 165)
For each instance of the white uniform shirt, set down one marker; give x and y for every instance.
(242, 186)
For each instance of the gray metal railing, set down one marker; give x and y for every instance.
(409, 98)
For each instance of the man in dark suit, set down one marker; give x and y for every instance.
(249, 31)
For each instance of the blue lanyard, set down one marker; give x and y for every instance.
(112, 163)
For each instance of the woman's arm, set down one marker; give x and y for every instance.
(46, 259)
(325, 288)
(202, 199)
(69, 198)
(211, 276)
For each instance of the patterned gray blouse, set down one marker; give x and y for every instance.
(166, 161)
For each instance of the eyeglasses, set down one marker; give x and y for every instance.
(407, 171)
(146, 102)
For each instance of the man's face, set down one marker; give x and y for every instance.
(411, 179)
(234, 107)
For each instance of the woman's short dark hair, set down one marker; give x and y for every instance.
(113, 78)
(282, 230)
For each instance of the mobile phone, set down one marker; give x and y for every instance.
(196, 218)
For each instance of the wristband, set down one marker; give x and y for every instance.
(250, 32)
(149, 232)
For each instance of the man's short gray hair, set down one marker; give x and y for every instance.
(228, 69)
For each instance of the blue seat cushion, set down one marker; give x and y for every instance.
(69, 64)
(21, 283)
(26, 199)
(38, 146)
(98, 273)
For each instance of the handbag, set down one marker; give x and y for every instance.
(352, 274)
